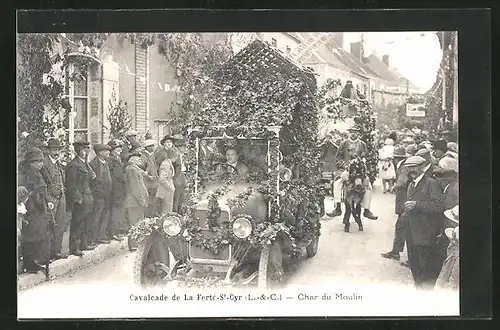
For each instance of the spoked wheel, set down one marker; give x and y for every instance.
(271, 266)
(312, 248)
(152, 261)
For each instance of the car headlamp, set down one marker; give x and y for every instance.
(242, 227)
(172, 225)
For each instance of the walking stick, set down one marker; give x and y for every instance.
(52, 225)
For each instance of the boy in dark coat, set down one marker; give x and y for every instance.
(422, 211)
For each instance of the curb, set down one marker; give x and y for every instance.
(72, 263)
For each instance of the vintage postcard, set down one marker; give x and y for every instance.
(228, 174)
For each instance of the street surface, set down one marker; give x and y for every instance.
(346, 263)
(351, 257)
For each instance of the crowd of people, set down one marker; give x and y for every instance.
(99, 199)
(423, 175)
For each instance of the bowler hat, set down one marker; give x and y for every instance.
(133, 154)
(165, 138)
(54, 143)
(400, 152)
(33, 155)
(411, 149)
(440, 145)
(149, 142)
(115, 143)
(101, 147)
(81, 144)
(414, 161)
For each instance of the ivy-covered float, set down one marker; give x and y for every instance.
(253, 158)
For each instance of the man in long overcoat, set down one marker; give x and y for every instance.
(423, 210)
(400, 188)
(148, 159)
(55, 171)
(137, 196)
(36, 231)
(79, 199)
(101, 190)
(117, 222)
(349, 149)
(180, 181)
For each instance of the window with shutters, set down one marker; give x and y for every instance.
(83, 91)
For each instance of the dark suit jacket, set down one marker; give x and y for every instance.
(117, 170)
(425, 220)
(101, 186)
(55, 174)
(400, 188)
(151, 169)
(343, 154)
(78, 180)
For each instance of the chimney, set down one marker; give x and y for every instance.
(385, 59)
(338, 38)
(357, 50)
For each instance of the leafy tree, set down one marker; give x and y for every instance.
(118, 117)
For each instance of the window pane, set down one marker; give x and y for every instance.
(81, 136)
(81, 120)
(80, 86)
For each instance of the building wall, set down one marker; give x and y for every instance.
(163, 91)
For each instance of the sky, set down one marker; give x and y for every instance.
(416, 55)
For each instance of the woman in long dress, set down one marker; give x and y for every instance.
(166, 188)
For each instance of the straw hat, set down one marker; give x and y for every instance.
(452, 214)
(451, 233)
(148, 143)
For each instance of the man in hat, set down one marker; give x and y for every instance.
(180, 176)
(400, 188)
(54, 170)
(422, 211)
(440, 148)
(79, 198)
(348, 149)
(429, 166)
(407, 141)
(101, 189)
(161, 153)
(131, 144)
(234, 165)
(117, 222)
(35, 234)
(148, 159)
(137, 196)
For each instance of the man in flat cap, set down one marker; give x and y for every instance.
(348, 149)
(422, 211)
(56, 186)
(79, 199)
(131, 144)
(148, 159)
(429, 159)
(101, 189)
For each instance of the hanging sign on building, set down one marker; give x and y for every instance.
(415, 110)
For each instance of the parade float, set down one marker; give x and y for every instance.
(252, 230)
